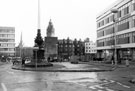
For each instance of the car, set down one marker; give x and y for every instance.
(74, 62)
(16, 60)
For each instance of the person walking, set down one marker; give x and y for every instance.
(48, 59)
(23, 61)
(112, 60)
(127, 62)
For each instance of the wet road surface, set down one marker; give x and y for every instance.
(17, 80)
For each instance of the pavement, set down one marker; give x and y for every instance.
(80, 67)
(122, 65)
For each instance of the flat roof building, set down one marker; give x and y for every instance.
(117, 30)
(90, 47)
(7, 41)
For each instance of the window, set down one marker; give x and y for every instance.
(10, 45)
(133, 6)
(103, 22)
(119, 14)
(112, 18)
(10, 35)
(133, 37)
(123, 25)
(126, 10)
(107, 20)
(133, 21)
(100, 34)
(99, 24)
(109, 30)
(11, 49)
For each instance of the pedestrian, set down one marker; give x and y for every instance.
(48, 59)
(23, 61)
(13, 61)
(127, 62)
(61, 59)
(112, 60)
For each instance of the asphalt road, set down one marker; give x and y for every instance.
(17, 80)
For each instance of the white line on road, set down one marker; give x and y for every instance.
(10, 72)
(123, 85)
(109, 89)
(92, 87)
(4, 87)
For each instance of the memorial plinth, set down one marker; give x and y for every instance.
(38, 53)
(51, 46)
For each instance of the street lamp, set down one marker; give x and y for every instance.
(115, 11)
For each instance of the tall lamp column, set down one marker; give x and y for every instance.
(115, 11)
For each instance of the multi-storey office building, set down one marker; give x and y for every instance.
(7, 41)
(90, 50)
(123, 29)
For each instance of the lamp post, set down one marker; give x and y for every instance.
(115, 11)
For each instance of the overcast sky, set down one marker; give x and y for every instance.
(71, 18)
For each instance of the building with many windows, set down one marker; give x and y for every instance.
(68, 48)
(119, 25)
(65, 48)
(90, 50)
(7, 41)
(79, 49)
(90, 47)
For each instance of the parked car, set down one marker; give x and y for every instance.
(74, 62)
(16, 60)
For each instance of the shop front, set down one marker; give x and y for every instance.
(125, 53)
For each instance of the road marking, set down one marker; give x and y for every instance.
(123, 85)
(92, 87)
(10, 72)
(112, 81)
(109, 89)
(4, 87)
(99, 86)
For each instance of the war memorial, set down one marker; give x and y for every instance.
(43, 49)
